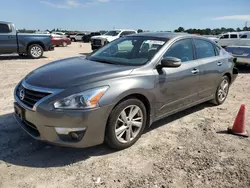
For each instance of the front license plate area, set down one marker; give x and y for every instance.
(19, 111)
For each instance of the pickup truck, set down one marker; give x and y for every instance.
(235, 38)
(101, 40)
(32, 45)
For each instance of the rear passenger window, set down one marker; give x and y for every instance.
(217, 50)
(182, 49)
(204, 49)
(243, 36)
(4, 28)
(233, 36)
(225, 37)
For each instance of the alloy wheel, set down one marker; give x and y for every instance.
(128, 124)
(223, 90)
(36, 51)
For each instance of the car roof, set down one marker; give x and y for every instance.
(3, 22)
(163, 35)
(230, 33)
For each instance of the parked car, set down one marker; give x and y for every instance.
(77, 37)
(87, 37)
(235, 38)
(32, 45)
(242, 53)
(69, 34)
(42, 32)
(122, 88)
(58, 33)
(60, 41)
(99, 41)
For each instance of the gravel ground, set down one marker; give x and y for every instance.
(189, 149)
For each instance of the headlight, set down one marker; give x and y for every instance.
(84, 100)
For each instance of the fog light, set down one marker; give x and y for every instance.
(74, 135)
(66, 131)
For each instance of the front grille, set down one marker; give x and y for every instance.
(30, 97)
(97, 42)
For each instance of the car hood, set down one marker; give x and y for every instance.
(73, 72)
(109, 38)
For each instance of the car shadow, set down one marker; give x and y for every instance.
(19, 149)
(243, 68)
(17, 57)
(179, 115)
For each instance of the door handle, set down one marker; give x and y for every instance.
(195, 71)
(219, 63)
(10, 37)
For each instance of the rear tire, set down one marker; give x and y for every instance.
(35, 51)
(222, 91)
(132, 126)
(64, 44)
(73, 39)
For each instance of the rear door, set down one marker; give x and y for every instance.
(212, 65)
(8, 41)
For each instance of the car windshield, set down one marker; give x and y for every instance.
(112, 33)
(133, 51)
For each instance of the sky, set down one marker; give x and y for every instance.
(93, 15)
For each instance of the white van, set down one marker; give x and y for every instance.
(235, 38)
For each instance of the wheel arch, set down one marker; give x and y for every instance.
(140, 96)
(229, 76)
(35, 42)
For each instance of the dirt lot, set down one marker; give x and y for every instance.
(188, 149)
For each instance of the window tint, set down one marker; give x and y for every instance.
(217, 50)
(225, 37)
(125, 46)
(243, 36)
(204, 48)
(182, 49)
(4, 28)
(233, 36)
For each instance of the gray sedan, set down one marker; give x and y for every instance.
(119, 90)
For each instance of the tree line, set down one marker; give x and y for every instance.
(209, 31)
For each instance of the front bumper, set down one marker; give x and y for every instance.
(41, 125)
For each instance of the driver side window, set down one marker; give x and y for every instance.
(182, 49)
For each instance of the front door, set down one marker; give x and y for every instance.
(7, 39)
(178, 87)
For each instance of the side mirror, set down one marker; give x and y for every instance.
(170, 62)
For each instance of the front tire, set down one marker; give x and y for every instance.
(222, 91)
(126, 124)
(35, 51)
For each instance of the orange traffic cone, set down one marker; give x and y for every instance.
(239, 123)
